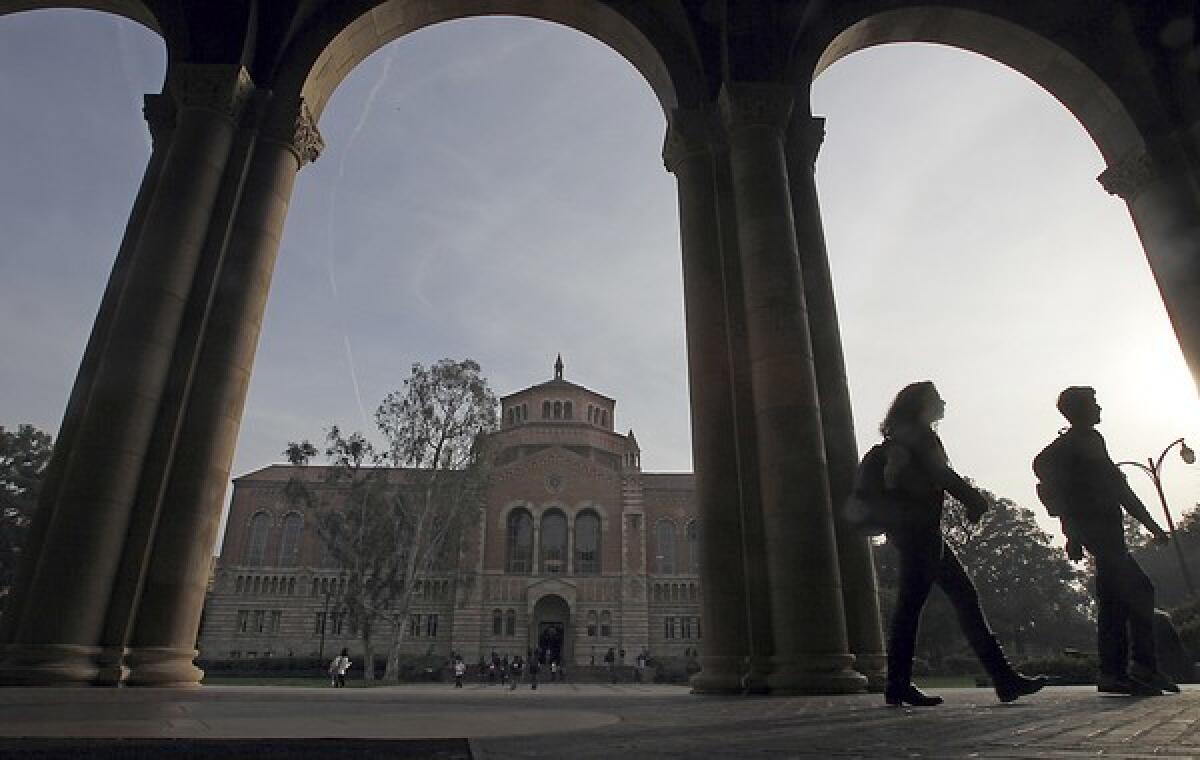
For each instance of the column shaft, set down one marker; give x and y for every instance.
(860, 596)
(1164, 202)
(806, 600)
(162, 644)
(161, 115)
(58, 643)
(727, 661)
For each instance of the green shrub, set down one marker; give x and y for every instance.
(959, 665)
(1185, 614)
(1064, 669)
(1189, 633)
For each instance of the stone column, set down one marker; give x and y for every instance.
(159, 111)
(1164, 201)
(860, 596)
(59, 643)
(730, 661)
(811, 654)
(162, 645)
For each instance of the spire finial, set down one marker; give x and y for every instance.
(558, 368)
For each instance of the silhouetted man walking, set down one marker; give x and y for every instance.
(1082, 485)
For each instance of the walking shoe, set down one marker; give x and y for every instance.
(1109, 684)
(1152, 678)
(899, 695)
(1014, 685)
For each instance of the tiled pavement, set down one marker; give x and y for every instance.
(601, 721)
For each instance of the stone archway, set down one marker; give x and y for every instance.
(134, 493)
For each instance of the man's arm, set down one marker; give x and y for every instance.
(1115, 482)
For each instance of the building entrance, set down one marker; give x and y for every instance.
(550, 640)
(550, 629)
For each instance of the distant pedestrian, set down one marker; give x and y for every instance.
(610, 662)
(534, 668)
(460, 670)
(338, 667)
(554, 670)
(514, 674)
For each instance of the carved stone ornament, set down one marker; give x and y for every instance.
(297, 132)
(159, 111)
(689, 132)
(218, 87)
(804, 139)
(308, 141)
(1129, 177)
(747, 105)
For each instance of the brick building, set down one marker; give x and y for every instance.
(577, 550)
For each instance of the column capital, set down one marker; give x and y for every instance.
(746, 105)
(690, 131)
(159, 111)
(293, 127)
(805, 135)
(221, 88)
(1128, 177)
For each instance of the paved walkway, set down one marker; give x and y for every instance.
(600, 721)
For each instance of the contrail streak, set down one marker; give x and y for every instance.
(330, 270)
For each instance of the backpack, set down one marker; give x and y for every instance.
(869, 510)
(1053, 466)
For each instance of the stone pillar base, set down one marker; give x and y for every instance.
(49, 665)
(874, 668)
(162, 666)
(828, 674)
(111, 662)
(730, 675)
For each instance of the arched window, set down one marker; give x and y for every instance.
(545, 410)
(520, 542)
(664, 536)
(554, 543)
(291, 586)
(237, 586)
(510, 623)
(289, 545)
(591, 413)
(558, 410)
(587, 544)
(256, 540)
(511, 414)
(567, 413)
(606, 623)
(497, 623)
(591, 623)
(693, 543)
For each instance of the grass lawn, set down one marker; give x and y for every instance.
(316, 682)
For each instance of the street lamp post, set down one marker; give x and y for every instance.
(1153, 468)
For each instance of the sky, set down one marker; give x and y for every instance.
(493, 188)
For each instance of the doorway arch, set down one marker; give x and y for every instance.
(551, 629)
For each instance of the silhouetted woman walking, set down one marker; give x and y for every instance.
(917, 476)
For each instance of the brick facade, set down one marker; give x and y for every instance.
(562, 479)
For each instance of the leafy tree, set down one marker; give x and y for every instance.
(1161, 563)
(1034, 597)
(438, 428)
(24, 455)
(388, 513)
